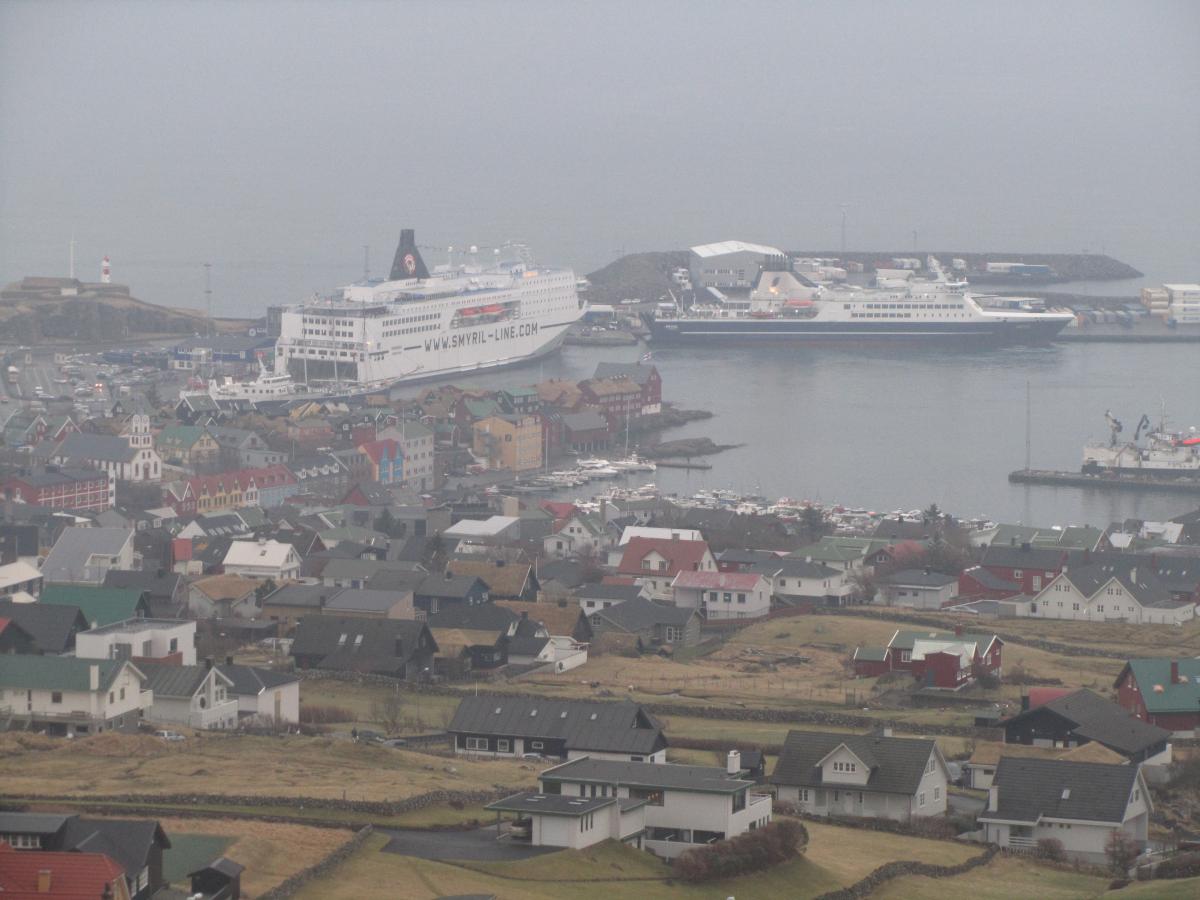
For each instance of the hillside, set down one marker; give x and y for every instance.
(647, 275)
(39, 310)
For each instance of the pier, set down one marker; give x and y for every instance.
(1104, 482)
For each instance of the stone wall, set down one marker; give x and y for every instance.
(293, 884)
(867, 886)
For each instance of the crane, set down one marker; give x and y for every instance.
(1114, 426)
(1143, 422)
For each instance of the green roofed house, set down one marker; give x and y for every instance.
(188, 444)
(100, 606)
(65, 695)
(1163, 692)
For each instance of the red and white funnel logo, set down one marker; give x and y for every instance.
(410, 263)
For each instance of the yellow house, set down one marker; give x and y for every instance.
(509, 442)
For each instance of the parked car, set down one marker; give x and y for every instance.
(370, 737)
(171, 736)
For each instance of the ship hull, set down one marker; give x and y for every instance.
(801, 331)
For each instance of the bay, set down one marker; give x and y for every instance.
(902, 427)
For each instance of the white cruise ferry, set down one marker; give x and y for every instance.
(416, 325)
(784, 306)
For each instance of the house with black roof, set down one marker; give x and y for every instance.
(648, 623)
(397, 648)
(1082, 716)
(51, 627)
(869, 775)
(435, 593)
(1079, 804)
(164, 589)
(136, 845)
(916, 588)
(563, 729)
(594, 597)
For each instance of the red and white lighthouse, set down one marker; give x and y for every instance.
(105, 271)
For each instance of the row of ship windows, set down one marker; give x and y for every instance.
(416, 330)
(904, 305)
(405, 320)
(906, 315)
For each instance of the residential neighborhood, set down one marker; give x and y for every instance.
(393, 594)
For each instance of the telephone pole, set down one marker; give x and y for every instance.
(843, 206)
(208, 295)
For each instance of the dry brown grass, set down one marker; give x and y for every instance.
(270, 852)
(325, 768)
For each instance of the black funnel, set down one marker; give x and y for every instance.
(407, 262)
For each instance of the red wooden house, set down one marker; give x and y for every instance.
(1030, 567)
(1163, 692)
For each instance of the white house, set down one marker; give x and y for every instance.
(580, 535)
(723, 595)
(20, 577)
(264, 695)
(874, 776)
(803, 580)
(262, 559)
(916, 588)
(64, 695)
(679, 806)
(1100, 592)
(85, 555)
(1077, 803)
(196, 696)
(145, 640)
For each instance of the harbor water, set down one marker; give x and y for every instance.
(903, 427)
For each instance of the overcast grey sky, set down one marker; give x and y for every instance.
(275, 139)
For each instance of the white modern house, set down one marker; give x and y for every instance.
(580, 535)
(805, 580)
(262, 559)
(67, 696)
(1077, 803)
(723, 595)
(196, 696)
(264, 695)
(20, 577)
(871, 776)
(663, 808)
(143, 640)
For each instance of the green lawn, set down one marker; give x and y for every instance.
(190, 852)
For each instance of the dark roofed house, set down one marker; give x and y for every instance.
(601, 596)
(14, 638)
(164, 590)
(917, 588)
(1080, 804)
(1083, 716)
(52, 628)
(137, 845)
(653, 624)
(398, 648)
(438, 592)
(514, 726)
(874, 776)
(221, 879)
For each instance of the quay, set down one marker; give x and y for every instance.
(677, 464)
(1104, 482)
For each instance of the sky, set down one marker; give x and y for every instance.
(275, 140)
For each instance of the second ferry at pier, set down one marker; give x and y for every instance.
(784, 306)
(418, 325)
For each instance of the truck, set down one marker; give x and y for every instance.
(12, 374)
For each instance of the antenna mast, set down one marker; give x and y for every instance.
(1028, 430)
(366, 262)
(72, 265)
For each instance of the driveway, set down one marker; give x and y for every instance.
(480, 844)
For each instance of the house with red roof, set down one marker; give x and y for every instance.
(723, 595)
(654, 562)
(387, 462)
(45, 875)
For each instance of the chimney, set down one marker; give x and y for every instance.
(93, 678)
(208, 662)
(1133, 575)
(1174, 671)
(1026, 547)
(229, 660)
(1024, 702)
(958, 630)
(993, 798)
(43, 881)
(733, 762)
(603, 510)
(886, 731)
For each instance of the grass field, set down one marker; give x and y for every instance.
(270, 852)
(835, 857)
(112, 764)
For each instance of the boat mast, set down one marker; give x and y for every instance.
(1028, 429)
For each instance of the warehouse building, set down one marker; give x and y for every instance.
(728, 265)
